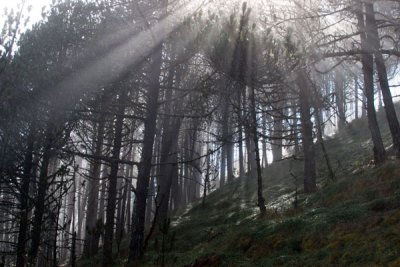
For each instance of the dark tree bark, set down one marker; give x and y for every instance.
(120, 230)
(176, 190)
(277, 132)
(168, 156)
(222, 172)
(368, 73)
(239, 117)
(128, 204)
(309, 179)
(320, 138)
(229, 152)
(91, 231)
(227, 142)
(264, 141)
(150, 204)
(24, 199)
(112, 186)
(41, 195)
(138, 216)
(186, 171)
(339, 81)
(154, 172)
(373, 38)
(254, 135)
(193, 171)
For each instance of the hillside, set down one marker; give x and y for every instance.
(352, 221)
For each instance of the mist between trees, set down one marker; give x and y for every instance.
(116, 113)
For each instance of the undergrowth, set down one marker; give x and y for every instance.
(352, 221)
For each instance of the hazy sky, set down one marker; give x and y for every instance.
(35, 14)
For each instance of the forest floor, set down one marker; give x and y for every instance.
(351, 221)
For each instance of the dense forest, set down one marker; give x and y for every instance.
(117, 117)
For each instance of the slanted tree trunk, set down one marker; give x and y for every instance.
(373, 38)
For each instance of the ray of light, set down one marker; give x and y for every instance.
(124, 57)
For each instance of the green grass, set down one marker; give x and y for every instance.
(353, 221)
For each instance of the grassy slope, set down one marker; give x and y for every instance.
(354, 221)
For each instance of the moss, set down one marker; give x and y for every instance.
(291, 225)
(395, 263)
(207, 261)
(347, 213)
(245, 243)
(316, 239)
(392, 218)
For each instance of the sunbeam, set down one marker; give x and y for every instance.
(127, 55)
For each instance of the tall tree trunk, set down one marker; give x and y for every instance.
(227, 149)
(229, 152)
(307, 133)
(83, 195)
(128, 205)
(102, 204)
(254, 135)
(91, 231)
(194, 164)
(138, 216)
(112, 186)
(368, 73)
(240, 125)
(356, 96)
(41, 195)
(364, 105)
(222, 176)
(264, 141)
(168, 163)
(175, 188)
(119, 231)
(373, 38)
(24, 199)
(251, 159)
(276, 144)
(340, 99)
(155, 171)
(186, 171)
